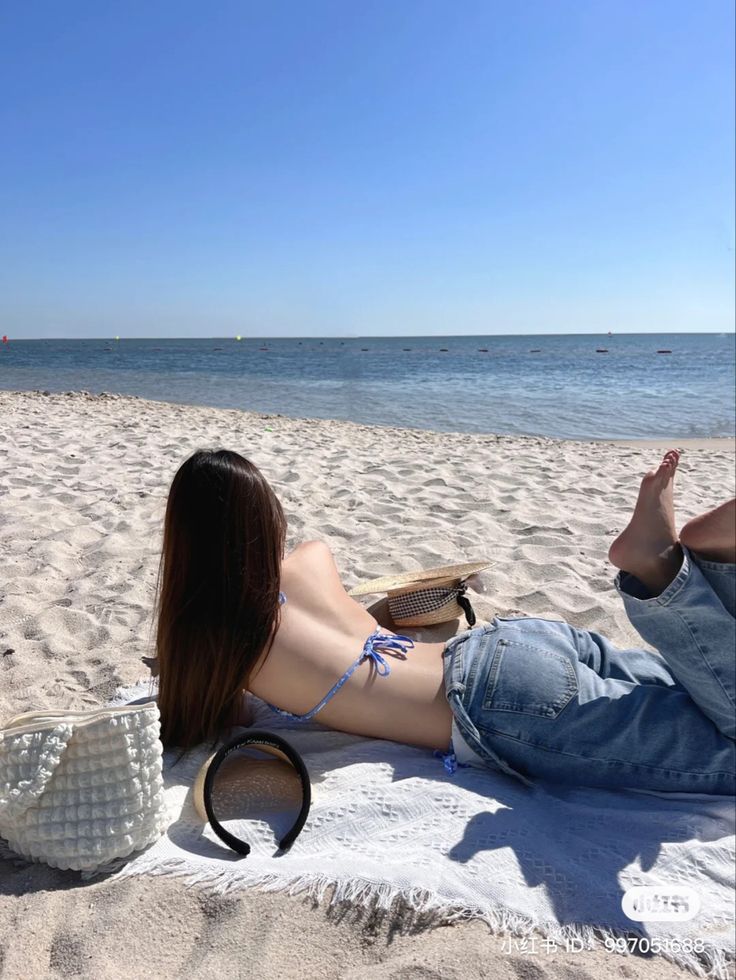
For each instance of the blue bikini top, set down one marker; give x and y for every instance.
(394, 644)
(398, 644)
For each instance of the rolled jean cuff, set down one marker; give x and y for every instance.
(629, 587)
(715, 566)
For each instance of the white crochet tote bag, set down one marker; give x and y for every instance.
(78, 790)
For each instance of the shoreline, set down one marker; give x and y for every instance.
(698, 443)
(690, 442)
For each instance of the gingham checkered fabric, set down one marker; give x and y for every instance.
(412, 604)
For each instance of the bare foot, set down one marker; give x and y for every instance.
(713, 535)
(648, 546)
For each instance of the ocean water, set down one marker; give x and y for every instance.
(571, 386)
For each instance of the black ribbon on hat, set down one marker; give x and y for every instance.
(464, 603)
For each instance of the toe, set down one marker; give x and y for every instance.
(670, 461)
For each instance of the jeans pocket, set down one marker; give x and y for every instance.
(529, 679)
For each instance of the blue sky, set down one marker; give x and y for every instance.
(352, 168)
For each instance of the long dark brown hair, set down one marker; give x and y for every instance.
(218, 592)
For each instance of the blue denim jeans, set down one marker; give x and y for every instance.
(542, 700)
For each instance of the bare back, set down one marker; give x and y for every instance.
(322, 633)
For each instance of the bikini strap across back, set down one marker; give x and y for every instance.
(377, 640)
(395, 643)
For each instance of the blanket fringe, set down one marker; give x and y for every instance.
(432, 909)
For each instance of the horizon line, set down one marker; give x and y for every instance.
(244, 337)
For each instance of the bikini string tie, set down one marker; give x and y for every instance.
(394, 644)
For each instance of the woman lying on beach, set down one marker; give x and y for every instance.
(535, 698)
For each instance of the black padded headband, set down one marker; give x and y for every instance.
(271, 743)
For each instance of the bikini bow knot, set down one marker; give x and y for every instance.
(395, 644)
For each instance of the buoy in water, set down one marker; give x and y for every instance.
(238, 337)
(5, 338)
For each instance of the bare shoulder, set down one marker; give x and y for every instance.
(311, 557)
(310, 551)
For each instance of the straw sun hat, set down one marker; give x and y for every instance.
(424, 598)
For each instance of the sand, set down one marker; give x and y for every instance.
(83, 483)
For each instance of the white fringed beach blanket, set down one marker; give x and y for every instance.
(388, 825)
